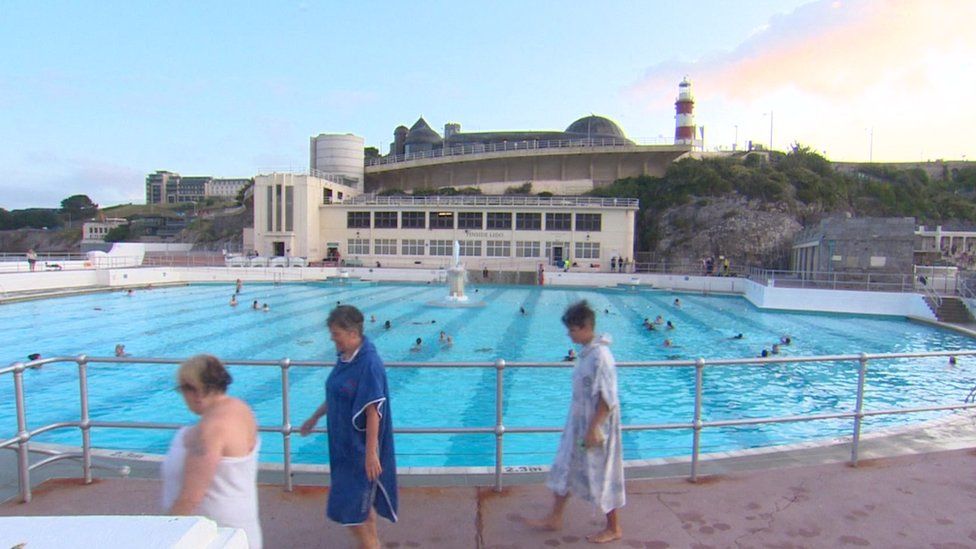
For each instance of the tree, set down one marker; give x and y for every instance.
(371, 152)
(78, 207)
(118, 234)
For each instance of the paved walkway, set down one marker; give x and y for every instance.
(923, 500)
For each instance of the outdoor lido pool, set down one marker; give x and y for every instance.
(177, 322)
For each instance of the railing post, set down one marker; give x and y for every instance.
(499, 426)
(286, 423)
(697, 422)
(85, 425)
(23, 437)
(862, 368)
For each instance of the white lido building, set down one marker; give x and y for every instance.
(318, 218)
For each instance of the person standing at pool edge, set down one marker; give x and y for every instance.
(589, 461)
(357, 409)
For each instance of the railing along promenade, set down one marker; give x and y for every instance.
(524, 145)
(21, 442)
(856, 280)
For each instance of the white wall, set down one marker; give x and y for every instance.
(837, 301)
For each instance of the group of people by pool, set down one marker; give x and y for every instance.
(211, 466)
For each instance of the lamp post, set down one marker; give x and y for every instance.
(871, 144)
(735, 144)
(770, 129)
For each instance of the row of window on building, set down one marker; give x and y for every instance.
(522, 221)
(469, 248)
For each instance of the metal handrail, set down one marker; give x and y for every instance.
(697, 425)
(492, 200)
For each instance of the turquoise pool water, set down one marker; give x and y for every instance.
(181, 321)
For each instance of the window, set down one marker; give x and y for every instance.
(526, 249)
(277, 208)
(564, 246)
(411, 247)
(499, 248)
(441, 220)
(588, 250)
(385, 246)
(588, 222)
(559, 222)
(413, 220)
(441, 247)
(357, 220)
(289, 208)
(327, 196)
(358, 246)
(470, 220)
(385, 220)
(499, 220)
(468, 247)
(528, 221)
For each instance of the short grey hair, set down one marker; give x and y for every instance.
(346, 317)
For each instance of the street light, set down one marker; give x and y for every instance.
(735, 144)
(770, 129)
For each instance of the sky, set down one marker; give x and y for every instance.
(96, 95)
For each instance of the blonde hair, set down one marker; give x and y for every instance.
(206, 372)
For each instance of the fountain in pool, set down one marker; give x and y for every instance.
(455, 283)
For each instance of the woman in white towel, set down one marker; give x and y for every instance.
(211, 467)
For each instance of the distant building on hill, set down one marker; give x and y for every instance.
(163, 187)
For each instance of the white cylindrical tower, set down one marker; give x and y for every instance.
(684, 118)
(338, 155)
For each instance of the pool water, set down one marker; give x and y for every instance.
(182, 321)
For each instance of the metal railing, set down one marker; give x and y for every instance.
(696, 423)
(523, 145)
(494, 200)
(835, 280)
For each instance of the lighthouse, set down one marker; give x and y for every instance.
(684, 117)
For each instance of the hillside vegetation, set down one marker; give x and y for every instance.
(731, 205)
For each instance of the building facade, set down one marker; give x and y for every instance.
(301, 215)
(593, 151)
(883, 244)
(93, 232)
(164, 187)
(288, 212)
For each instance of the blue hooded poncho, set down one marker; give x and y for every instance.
(349, 390)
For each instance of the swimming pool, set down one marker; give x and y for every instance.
(181, 321)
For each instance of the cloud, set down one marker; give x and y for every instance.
(831, 70)
(105, 183)
(830, 49)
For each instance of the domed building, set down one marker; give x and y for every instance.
(592, 151)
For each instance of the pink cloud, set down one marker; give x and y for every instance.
(829, 49)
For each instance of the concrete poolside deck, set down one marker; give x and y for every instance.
(913, 488)
(922, 500)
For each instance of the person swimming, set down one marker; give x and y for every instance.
(659, 320)
(417, 346)
(785, 340)
(570, 356)
(670, 326)
(764, 354)
(668, 343)
(387, 325)
(233, 300)
(677, 303)
(737, 336)
(265, 307)
(120, 350)
(775, 350)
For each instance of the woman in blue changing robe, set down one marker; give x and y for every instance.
(360, 423)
